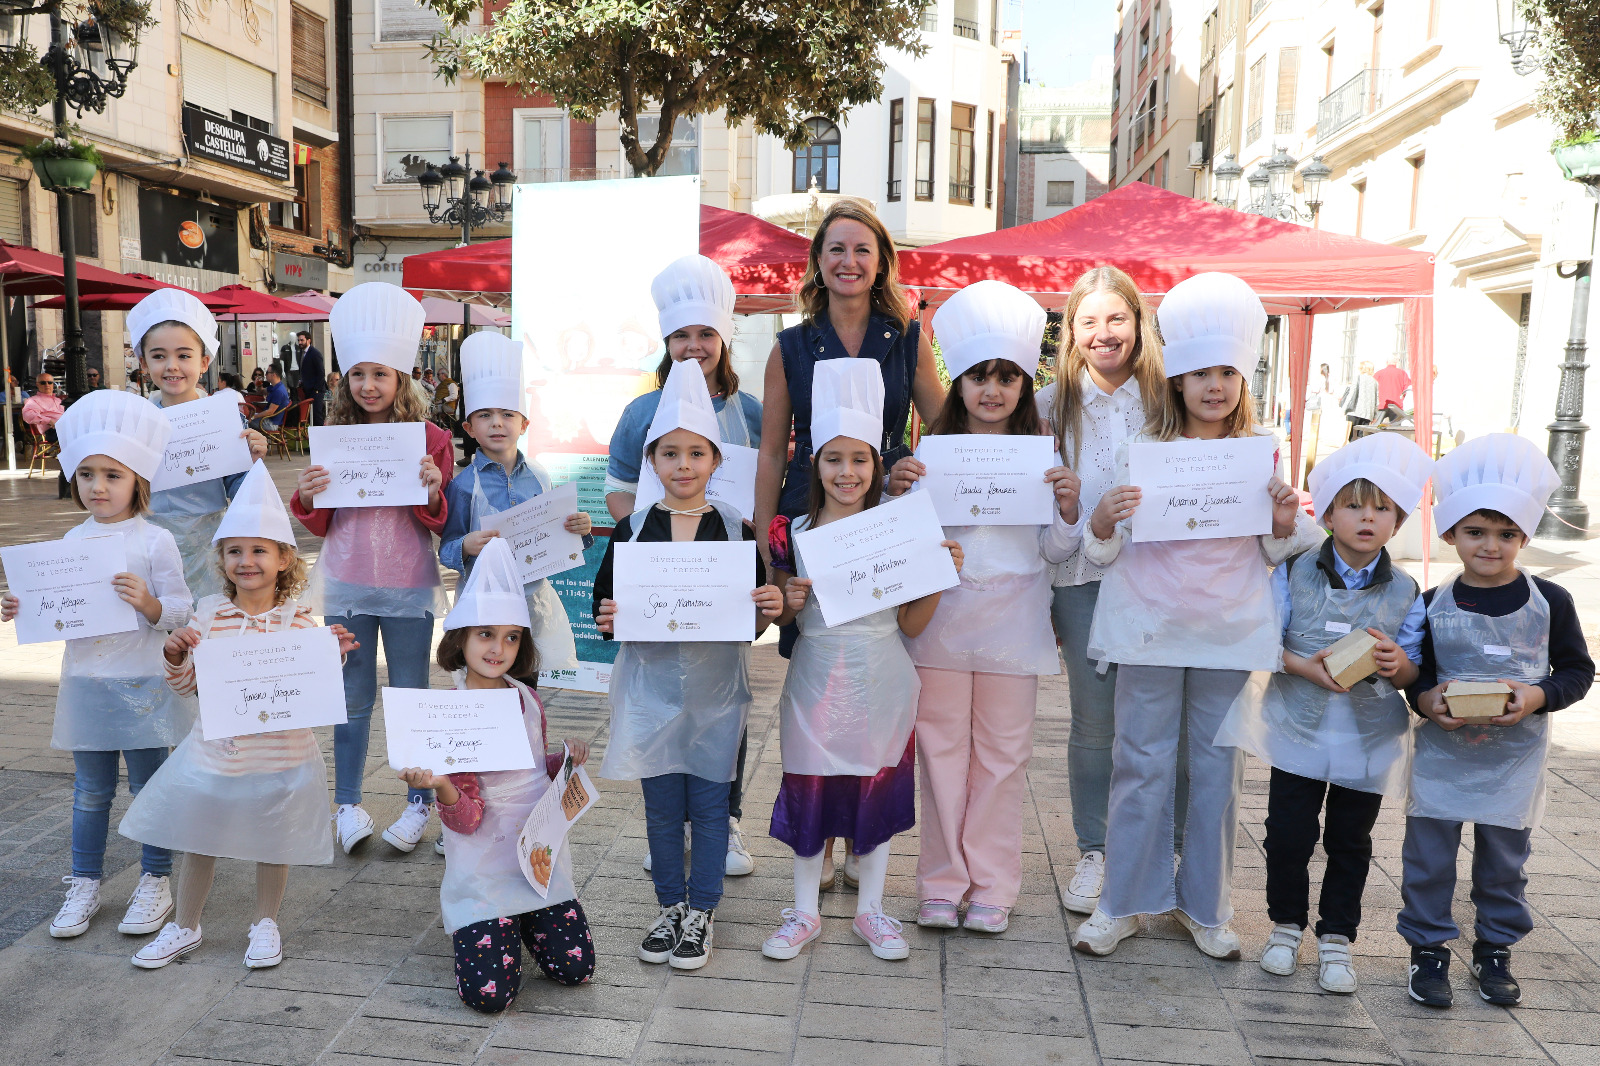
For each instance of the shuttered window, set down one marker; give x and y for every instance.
(1288, 86)
(406, 20)
(310, 55)
(225, 85)
(11, 211)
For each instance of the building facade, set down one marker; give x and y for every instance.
(1155, 91)
(1063, 147)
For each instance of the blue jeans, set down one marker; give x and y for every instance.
(94, 786)
(407, 644)
(669, 801)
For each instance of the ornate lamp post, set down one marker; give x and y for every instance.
(452, 198)
(1226, 175)
(1516, 34)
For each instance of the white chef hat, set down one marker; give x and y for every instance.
(128, 428)
(173, 305)
(257, 510)
(989, 320)
(1211, 319)
(492, 595)
(685, 404)
(1500, 472)
(376, 322)
(1388, 460)
(694, 291)
(846, 401)
(491, 372)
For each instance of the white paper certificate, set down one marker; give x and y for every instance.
(882, 557)
(206, 443)
(689, 590)
(535, 532)
(371, 466)
(269, 682)
(983, 479)
(569, 796)
(1200, 489)
(64, 588)
(457, 730)
(733, 482)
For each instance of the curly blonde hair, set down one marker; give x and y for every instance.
(888, 298)
(410, 403)
(291, 579)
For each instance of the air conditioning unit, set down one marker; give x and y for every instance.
(1197, 155)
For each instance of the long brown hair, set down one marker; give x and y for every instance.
(452, 653)
(1148, 370)
(410, 403)
(888, 298)
(818, 497)
(727, 380)
(952, 416)
(1167, 415)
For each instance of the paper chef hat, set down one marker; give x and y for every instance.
(1388, 460)
(1211, 320)
(128, 428)
(173, 305)
(685, 404)
(492, 595)
(989, 320)
(846, 401)
(1500, 472)
(491, 372)
(376, 322)
(694, 291)
(257, 510)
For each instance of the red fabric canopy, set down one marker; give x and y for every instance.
(124, 301)
(30, 272)
(252, 306)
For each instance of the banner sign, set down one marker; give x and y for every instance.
(214, 137)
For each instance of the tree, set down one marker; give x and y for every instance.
(1569, 51)
(774, 62)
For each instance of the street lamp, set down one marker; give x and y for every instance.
(452, 198)
(1258, 182)
(1516, 34)
(1227, 174)
(1312, 175)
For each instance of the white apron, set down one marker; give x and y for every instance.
(192, 514)
(1488, 774)
(997, 621)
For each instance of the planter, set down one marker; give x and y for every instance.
(64, 172)
(1579, 162)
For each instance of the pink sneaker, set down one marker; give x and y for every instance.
(937, 914)
(882, 934)
(982, 918)
(796, 932)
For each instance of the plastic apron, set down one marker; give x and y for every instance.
(1488, 774)
(192, 514)
(360, 542)
(1360, 739)
(997, 621)
(678, 708)
(482, 879)
(849, 700)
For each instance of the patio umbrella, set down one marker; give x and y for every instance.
(124, 301)
(253, 306)
(442, 312)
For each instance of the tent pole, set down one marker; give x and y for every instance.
(1417, 312)
(5, 377)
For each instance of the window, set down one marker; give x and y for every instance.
(1150, 115)
(1060, 193)
(541, 145)
(1288, 85)
(1361, 206)
(1111, 171)
(224, 85)
(12, 210)
(994, 22)
(1416, 190)
(926, 114)
(988, 165)
(292, 215)
(683, 157)
(1225, 121)
(1116, 88)
(963, 152)
(309, 55)
(411, 143)
(1258, 76)
(966, 20)
(897, 137)
(930, 16)
(1166, 91)
(818, 161)
(1155, 23)
(407, 20)
(1144, 46)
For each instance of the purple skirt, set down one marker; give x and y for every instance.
(866, 810)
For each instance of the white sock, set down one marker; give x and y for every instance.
(808, 884)
(872, 872)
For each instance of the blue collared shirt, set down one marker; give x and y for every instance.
(1410, 636)
(502, 491)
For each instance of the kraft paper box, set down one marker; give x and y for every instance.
(1477, 699)
(1350, 659)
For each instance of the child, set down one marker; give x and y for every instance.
(849, 702)
(981, 656)
(111, 699)
(1348, 747)
(1492, 622)
(678, 709)
(261, 798)
(1185, 622)
(487, 903)
(377, 572)
(175, 336)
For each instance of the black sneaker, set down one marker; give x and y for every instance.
(694, 941)
(1430, 976)
(662, 937)
(1491, 965)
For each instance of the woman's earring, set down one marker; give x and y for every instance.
(877, 283)
(820, 283)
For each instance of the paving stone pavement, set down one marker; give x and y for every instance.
(368, 978)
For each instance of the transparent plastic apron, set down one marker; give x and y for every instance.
(192, 514)
(1488, 774)
(997, 621)
(678, 708)
(391, 533)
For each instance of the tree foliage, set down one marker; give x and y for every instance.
(1569, 51)
(774, 62)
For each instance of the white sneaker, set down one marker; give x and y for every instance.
(1218, 941)
(739, 861)
(166, 948)
(1101, 933)
(266, 945)
(1082, 893)
(351, 825)
(1282, 953)
(851, 871)
(406, 832)
(82, 904)
(438, 849)
(1335, 970)
(149, 907)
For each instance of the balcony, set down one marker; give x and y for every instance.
(1284, 124)
(924, 189)
(540, 175)
(1252, 132)
(1357, 98)
(961, 192)
(894, 189)
(1258, 6)
(966, 28)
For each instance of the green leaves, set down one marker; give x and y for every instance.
(1569, 51)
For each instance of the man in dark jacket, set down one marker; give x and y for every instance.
(313, 376)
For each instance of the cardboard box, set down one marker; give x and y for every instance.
(1477, 699)
(1350, 659)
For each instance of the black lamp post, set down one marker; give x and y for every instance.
(452, 198)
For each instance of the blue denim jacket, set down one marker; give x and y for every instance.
(627, 440)
(526, 481)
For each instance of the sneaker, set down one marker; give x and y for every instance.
(266, 945)
(882, 934)
(1335, 970)
(166, 947)
(149, 907)
(82, 904)
(1101, 933)
(982, 918)
(351, 825)
(662, 937)
(796, 932)
(1491, 965)
(694, 941)
(1218, 941)
(852, 870)
(1430, 976)
(739, 861)
(406, 832)
(438, 848)
(938, 914)
(1282, 953)
(1082, 893)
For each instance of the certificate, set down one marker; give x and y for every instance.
(733, 482)
(885, 556)
(371, 466)
(984, 479)
(689, 590)
(457, 730)
(207, 443)
(569, 796)
(535, 530)
(269, 682)
(1200, 489)
(64, 588)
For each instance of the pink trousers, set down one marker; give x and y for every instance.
(974, 739)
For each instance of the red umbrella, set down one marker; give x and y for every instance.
(124, 301)
(253, 306)
(30, 272)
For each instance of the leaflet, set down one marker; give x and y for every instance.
(269, 682)
(371, 465)
(453, 731)
(567, 799)
(64, 588)
(882, 557)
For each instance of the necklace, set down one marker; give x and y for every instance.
(702, 509)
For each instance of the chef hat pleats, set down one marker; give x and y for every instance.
(1388, 460)
(492, 595)
(257, 510)
(846, 401)
(1499, 472)
(491, 373)
(1211, 319)
(128, 428)
(172, 305)
(685, 404)
(989, 320)
(376, 322)
(694, 291)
